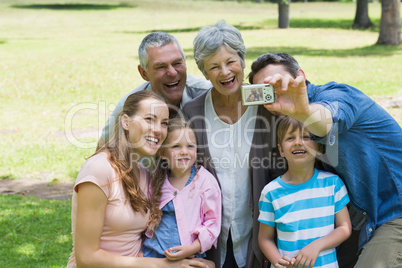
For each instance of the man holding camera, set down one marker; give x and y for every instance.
(363, 144)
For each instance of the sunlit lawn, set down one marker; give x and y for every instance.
(64, 64)
(34, 232)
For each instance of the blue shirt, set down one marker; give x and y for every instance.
(364, 147)
(167, 234)
(303, 213)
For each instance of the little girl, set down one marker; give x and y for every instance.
(186, 219)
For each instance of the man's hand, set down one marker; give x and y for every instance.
(292, 100)
(291, 96)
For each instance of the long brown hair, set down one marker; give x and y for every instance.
(159, 174)
(120, 156)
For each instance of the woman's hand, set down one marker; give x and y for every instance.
(187, 263)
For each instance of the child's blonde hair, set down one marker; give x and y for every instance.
(160, 171)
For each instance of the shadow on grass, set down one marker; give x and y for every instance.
(74, 6)
(374, 50)
(193, 29)
(3, 41)
(34, 232)
(345, 24)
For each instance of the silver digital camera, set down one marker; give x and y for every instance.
(257, 94)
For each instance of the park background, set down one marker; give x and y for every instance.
(65, 64)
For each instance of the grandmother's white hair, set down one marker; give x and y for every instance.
(210, 39)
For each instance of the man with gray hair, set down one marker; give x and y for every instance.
(163, 67)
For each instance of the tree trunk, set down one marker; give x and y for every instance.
(283, 8)
(390, 25)
(362, 19)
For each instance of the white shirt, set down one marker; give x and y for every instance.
(229, 146)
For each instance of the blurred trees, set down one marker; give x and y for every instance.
(362, 19)
(283, 14)
(390, 25)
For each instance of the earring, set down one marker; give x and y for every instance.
(125, 125)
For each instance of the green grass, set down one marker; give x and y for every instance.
(62, 56)
(58, 57)
(64, 63)
(34, 232)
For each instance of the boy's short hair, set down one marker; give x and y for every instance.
(289, 122)
(284, 124)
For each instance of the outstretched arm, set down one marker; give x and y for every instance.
(343, 228)
(292, 100)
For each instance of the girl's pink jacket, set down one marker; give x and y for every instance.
(198, 208)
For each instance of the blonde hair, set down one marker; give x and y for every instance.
(159, 174)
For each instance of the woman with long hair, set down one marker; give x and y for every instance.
(112, 197)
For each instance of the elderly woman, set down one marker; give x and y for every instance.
(237, 143)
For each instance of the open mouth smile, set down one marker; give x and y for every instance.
(228, 82)
(172, 85)
(152, 140)
(299, 152)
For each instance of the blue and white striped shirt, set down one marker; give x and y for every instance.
(304, 212)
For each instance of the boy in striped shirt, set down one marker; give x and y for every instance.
(305, 206)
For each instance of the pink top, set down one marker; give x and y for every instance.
(198, 209)
(123, 226)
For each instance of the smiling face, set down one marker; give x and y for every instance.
(147, 128)
(167, 72)
(180, 151)
(297, 147)
(225, 71)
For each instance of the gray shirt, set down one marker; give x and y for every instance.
(195, 86)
